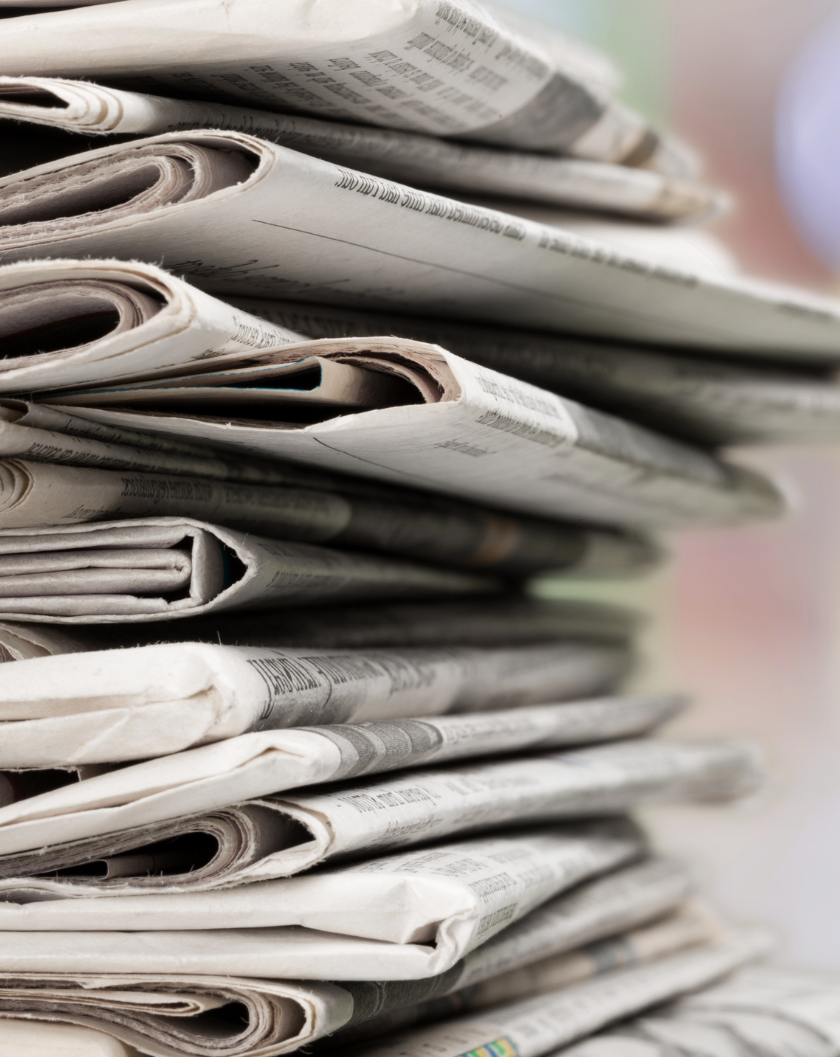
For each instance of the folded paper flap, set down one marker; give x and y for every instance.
(105, 557)
(423, 365)
(257, 764)
(451, 894)
(411, 157)
(149, 178)
(289, 834)
(47, 321)
(478, 439)
(197, 850)
(314, 380)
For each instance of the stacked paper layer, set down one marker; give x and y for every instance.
(316, 350)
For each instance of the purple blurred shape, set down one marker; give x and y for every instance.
(808, 142)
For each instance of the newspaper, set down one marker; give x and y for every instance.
(472, 433)
(161, 510)
(690, 926)
(356, 513)
(291, 228)
(538, 1025)
(280, 836)
(48, 105)
(155, 568)
(760, 1012)
(682, 246)
(67, 322)
(625, 899)
(491, 421)
(112, 705)
(444, 67)
(404, 916)
(139, 1010)
(21, 1038)
(705, 401)
(47, 807)
(433, 529)
(503, 620)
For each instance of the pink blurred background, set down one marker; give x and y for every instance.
(747, 620)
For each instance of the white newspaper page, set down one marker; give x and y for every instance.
(65, 322)
(536, 1026)
(278, 837)
(46, 104)
(140, 1010)
(291, 223)
(471, 432)
(112, 705)
(35, 814)
(438, 66)
(159, 568)
(405, 916)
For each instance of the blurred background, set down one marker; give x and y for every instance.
(749, 620)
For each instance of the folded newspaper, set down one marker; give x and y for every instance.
(280, 836)
(444, 67)
(767, 1011)
(159, 510)
(290, 1015)
(131, 704)
(53, 806)
(468, 432)
(240, 215)
(489, 438)
(155, 568)
(49, 108)
(73, 322)
(167, 1017)
(707, 401)
(536, 1026)
(689, 926)
(45, 317)
(501, 620)
(403, 916)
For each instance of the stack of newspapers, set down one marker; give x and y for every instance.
(326, 326)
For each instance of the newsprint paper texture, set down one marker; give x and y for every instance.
(131, 704)
(155, 1025)
(464, 430)
(437, 66)
(45, 105)
(536, 1026)
(406, 915)
(280, 836)
(242, 216)
(706, 401)
(159, 510)
(513, 963)
(765, 1011)
(475, 428)
(41, 807)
